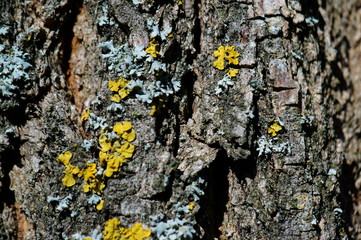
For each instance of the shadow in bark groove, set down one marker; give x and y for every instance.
(348, 191)
(8, 159)
(213, 206)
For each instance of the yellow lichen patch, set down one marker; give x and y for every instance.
(191, 205)
(95, 185)
(125, 130)
(65, 157)
(70, 170)
(115, 98)
(89, 172)
(68, 180)
(113, 164)
(225, 53)
(231, 72)
(126, 150)
(124, 92)
(113, 232)
(85, 115)
(274, 128)
(119, 87)
(100, 205)
(153, 48)
(157, 105)
(104, 143)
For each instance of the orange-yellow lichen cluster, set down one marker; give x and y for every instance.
(120, 88)
(274, 128)
(152, 49)
(112, 231)
(228, 54)
(113, 154)
(70, 170)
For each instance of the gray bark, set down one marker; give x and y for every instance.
(298, 66)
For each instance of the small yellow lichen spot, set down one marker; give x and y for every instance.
(232, 72)
(113, 164)
(68, 180)
(85, 115)
(115, 98)
(96, 185)
(225, 53)
(87, 238)
(157, 105)
(191, 205)
(124, 92)
(111, 229)
(113, 86)
(89, 171)
(170, 35)
(274, 128)
(179, 3)
(136, 232)
(152, 48)
(70, 170)
(104, 143)
(65, 157)
(100, 205)
(126, 150)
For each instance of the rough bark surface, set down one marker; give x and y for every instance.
(205, 161)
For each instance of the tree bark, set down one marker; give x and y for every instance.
(270, 153)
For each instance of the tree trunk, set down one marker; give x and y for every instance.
(246, 114)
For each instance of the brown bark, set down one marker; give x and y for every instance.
(298, 68)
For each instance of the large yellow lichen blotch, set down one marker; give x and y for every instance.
(274, 128)
(113, 232)
(225, 53)
(70, 170)
(65, 157)
(152, 48)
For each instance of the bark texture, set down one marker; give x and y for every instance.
(206, 164)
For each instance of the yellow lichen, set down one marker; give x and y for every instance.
(104, 143)
(113, 232)
(274, 128)
(89, 172)
(85, 115)
(225, 53)
(153, 48)
(125, 131)
(231, 72)
(191, 205)
(119, 87)
(70, 170)
(157, 105)
(100, 205)
(95, 185)
(65, 157)
(113, 164)
(115, 98)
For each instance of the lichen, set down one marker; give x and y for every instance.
(153, 48)
(225, 54)
(112, 231)
(274, 128)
